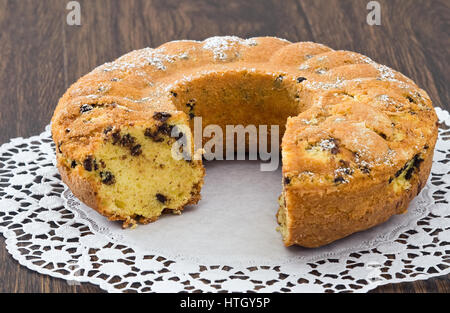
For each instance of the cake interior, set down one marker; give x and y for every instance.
(142, 179)
(238, 98)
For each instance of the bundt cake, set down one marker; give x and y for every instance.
(357, 137)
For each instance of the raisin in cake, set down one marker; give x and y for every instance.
(357, 137)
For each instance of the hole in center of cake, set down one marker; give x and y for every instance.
(238, 98)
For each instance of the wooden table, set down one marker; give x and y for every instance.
(40, 56)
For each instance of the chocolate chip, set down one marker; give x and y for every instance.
(161, 198)
(165, 129)
(339, 180)
(161, 116)
(107, 130)
(410, 99)
(416, 161)
(347, 171)
(67, 130)
(191, 104)
(409, 173)
(174, 94)
(334, 150)
(87, 163)
(153, 135)
(287, 180)
(95, 165)
(400, 171)
(390, 180)
(73, 164)
(426, 147)
(149, 133)
(136, 150)
(397, 174)
(365, 170)
(107, 178)
(415, 165)
(116, 137)
(127, 140)
(300, 79)
(180, 135)
(191, 115)
(86, 108)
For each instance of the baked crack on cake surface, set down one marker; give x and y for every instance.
(357, 137)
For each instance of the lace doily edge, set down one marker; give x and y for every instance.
(109, 288)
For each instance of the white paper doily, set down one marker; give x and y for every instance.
(226, 243)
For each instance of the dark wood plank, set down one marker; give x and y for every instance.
(31, 79)
(30, 65)
(41, 56)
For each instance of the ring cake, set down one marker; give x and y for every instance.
(357, 137)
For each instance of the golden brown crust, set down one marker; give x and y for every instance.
(83, 189)
(329, 217)
(359, 124)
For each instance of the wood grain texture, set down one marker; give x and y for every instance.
(40, 56)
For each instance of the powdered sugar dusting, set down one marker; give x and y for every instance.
(140, 58)
(386, 73)
(314, 85)
(303, 67)
(220, 46)
(312, 121)
(327, 144)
